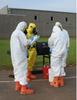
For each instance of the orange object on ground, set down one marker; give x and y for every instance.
(45, 72)
(26, 90)
(17, 86)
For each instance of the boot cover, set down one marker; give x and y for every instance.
(61, 81)
(26, 90)
(17, 86)
(56, 82)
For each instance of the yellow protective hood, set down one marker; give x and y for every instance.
(30, 29)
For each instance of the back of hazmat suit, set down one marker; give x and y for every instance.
(18, 46)
(58, 44)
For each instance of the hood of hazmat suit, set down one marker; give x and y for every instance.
(59, 25)
(31, 29)
(56, 29)
(21, 26)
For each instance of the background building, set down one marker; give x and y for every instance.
(44, 20)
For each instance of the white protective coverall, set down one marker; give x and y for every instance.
(58, 44)
(18, 43)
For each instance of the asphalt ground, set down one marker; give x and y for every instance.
(43, 91)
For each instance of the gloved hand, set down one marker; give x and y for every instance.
(33, 39)
(36, 37)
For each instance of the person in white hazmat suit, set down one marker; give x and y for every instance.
(18, 46)
(59, 44)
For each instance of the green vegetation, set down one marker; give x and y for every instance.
(5, 61)
(72, 52)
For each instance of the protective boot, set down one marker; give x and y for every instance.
(61, 79)
(17, 86)
(56, 82)
(31, 76)
(26, 90)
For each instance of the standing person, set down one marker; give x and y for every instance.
(58, 44)
(18, 46)
(31, 32)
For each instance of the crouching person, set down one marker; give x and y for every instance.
(58, 44)
(18, 46)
